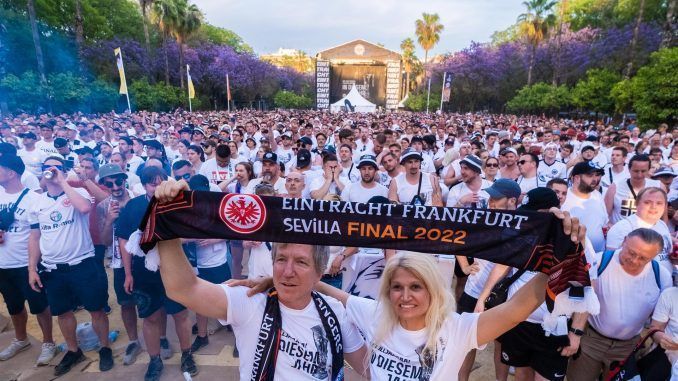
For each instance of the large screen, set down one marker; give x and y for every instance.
(370, 80)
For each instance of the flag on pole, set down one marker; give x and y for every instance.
(191, 89)
(228, 89)
(447, 87)
(121, 71)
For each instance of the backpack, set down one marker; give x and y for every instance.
(607, 257)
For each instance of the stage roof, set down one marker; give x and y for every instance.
(358, 50)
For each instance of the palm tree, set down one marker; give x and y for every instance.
(189, 19)
(145, 5)
(634, 40)
(428, 32)
(407, 47)
(534, 25)
(164, 14)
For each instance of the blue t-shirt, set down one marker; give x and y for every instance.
(131, 216)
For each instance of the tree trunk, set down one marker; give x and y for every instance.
(407, 82)
(144, 15)
(3, 54)
(38, 49)
(557, 66)
(669, 38)
(634, 40)
(531, 66)
(181, 62)
(164, 44)
(79, 33)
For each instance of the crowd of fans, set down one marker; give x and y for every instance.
(74, 188)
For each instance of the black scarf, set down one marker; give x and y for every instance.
(268, 344)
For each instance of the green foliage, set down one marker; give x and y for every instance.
(609, 13)
(593, 92)
(416, 101)
(66, 91)
(221, 36)
(622, 95)
(540, 98)
(288, 99)
(655, 89)
(157, 96)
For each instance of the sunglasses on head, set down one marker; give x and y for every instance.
(185, 176)
(117, 182)
(46, 167)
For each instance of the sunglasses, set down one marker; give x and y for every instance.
(522, 162)
(46, 167)
(185, 176)
(492, 165)
(117, 182)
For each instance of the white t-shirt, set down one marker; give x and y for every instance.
(460, 190)
(64, 231)
(299, 357)
(350, 174)
(407, 191)
(211, 255)
(592, 213)
(610, 176)
(279, 186)
(14, 249)
(666, 311)
(47, 148)
(33, 160)
(397, 356)
(624, 201)
(356, 192)
(626, 301)
(619, 231)
(216, 174)
(476, 282)
(318, 182)
(284, 155)
(537, 316)
(260, 263)
(527, 184)
(30, 181)
(134, 163)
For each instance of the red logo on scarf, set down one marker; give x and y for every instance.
(243, 213)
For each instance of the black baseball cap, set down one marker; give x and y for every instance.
(153, 144)
(305, 140)
(539, 199)
(368, 160)
(60, 143)
(28, 135)
(303, 158)
(14, 163)
(586, 167)
(270, 157)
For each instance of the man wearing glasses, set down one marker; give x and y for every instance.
(62, 244)
(113, 178)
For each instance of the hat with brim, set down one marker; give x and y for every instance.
(368, 160)
(540, 199)
(271, 157)
(509, 150)
(504, 188)
(663, 171)
(153, 144)
(473, 162)
(111, 170)
(586, 167)
(410, 154)
(586, 147)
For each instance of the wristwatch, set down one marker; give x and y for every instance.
(576, 331)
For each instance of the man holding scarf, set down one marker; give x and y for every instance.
(299, 334)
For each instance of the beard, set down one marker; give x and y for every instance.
(587, 188)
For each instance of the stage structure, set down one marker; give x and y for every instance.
(376, 72)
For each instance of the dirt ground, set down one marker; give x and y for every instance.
(217, 363)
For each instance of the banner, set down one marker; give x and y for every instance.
(191, 89)
(447, 86)
(520, 239)
(121, 71)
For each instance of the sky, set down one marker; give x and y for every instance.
(315, 25)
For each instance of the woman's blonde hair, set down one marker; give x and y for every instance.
(442, 304)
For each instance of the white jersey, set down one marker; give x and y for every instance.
(216, 174)
(33, 160)
(284, 155)
(591, 212)
(356, 192)
(211, 255)
(619, 231)
(64, 231)
(626, 301)
(14, 249)
(625, 200)
(398, 355)
(527, 184)
(304, 353)
(476, 282)
(547, 172)
(407, 191)
(260, 263)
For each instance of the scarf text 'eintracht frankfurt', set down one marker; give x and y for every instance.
(530, 240)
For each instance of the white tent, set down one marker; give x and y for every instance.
(356, 101)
